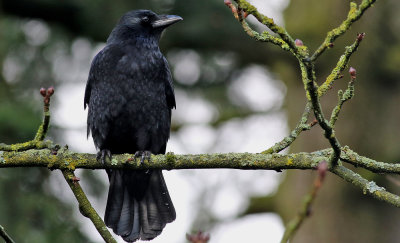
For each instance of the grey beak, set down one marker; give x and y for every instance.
(166, 20)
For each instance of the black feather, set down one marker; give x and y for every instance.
(130, 95)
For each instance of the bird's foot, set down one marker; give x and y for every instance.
(143, 155)
(103, 154)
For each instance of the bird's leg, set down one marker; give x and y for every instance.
(143, 155)
(103, 154)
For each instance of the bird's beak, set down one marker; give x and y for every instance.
(166, 20)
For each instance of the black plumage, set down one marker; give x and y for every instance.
(130, 95)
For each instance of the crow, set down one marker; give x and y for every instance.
(130, 96)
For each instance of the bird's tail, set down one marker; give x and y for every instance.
(138, 204)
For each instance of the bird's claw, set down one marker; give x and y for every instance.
(143, 155)
(103, 154)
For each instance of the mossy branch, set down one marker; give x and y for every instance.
(68, 160)
(313, 95)
(308, 75)
(340, 66)
(40, 153)
(37, 142)
(342, 97)
(353, 15)
(85, 207)
(248, 8)
(242, 9)
(301, 126)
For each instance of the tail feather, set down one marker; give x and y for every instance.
(140, 215)
(125, 222)
(116, 192)
(162, 200)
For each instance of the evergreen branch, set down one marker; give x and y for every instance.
(85, 207)
(354, 14)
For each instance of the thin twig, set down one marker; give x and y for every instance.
(85, 207)
(5, 236)
(357, 160)
(37, 142)
(308, 75)
(265, 36)
(308, 200)
(301, 126)
(367, 187)
(340, 66)
(342, 97)
(335, 74)
(354, 14)
(268, 22)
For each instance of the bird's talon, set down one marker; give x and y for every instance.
(144, 155)
(103, 154)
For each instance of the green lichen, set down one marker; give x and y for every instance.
(71, 167)
(2, 160)
(247, 7)
(373, 187)
(114, 161)
(170, 159)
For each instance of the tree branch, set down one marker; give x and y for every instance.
(5, 236)
(85, 207)
(340, 66)
(305, 209)
(357, 160)
(342, 97)
(37, 142)
(68, 160)
(368, 187)
(268, 22)
(308, 75)
(301, 126)
(40, 153)
(354, 14)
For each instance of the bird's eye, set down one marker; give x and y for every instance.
(145, 19)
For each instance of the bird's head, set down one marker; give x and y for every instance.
(143, 24)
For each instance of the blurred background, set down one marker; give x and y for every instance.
(233, 95)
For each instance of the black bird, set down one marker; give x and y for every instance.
(130, 95)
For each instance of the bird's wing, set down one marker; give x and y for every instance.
(88, 88)
(169, 87)
(102, 69)
(101, 94)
